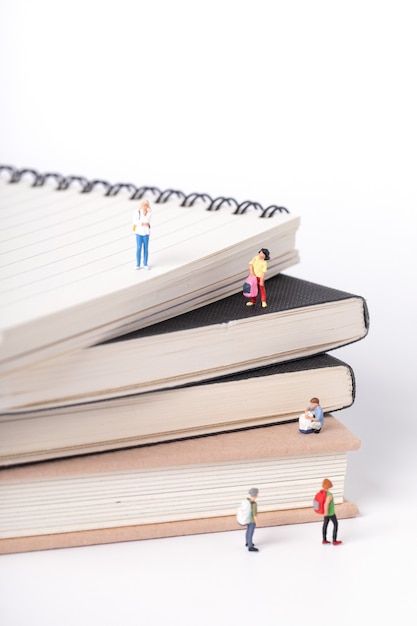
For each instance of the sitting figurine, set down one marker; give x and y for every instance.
(312, 420)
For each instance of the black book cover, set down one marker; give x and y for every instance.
(284, 293)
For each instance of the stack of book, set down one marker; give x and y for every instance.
(144, 404)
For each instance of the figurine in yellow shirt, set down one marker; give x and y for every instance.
(258, 267)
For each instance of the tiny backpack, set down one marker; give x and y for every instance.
(319, 500)
(250, 287)
(244, 512)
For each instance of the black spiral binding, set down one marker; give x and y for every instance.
(137, 193)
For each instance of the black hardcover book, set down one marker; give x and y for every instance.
(302, 319)
(269, 395)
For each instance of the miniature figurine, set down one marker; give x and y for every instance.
(329, 513)
(141, 228)
(257, 267)
(312, 420)
(247, 515)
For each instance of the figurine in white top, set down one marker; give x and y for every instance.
(142, 228)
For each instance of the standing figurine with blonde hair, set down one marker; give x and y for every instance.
(141, 228)
(329, 513)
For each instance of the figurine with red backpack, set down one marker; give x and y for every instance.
(323, 504)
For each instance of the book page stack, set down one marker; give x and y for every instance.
(145, 404)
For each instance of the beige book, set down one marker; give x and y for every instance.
(184, 487)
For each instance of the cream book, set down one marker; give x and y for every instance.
(225, 337)
(67, 273)
(247, 399)
(178, 488)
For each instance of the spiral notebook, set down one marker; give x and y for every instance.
(67, 274)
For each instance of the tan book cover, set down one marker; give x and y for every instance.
(215, 471)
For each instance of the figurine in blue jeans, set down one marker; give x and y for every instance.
(250, 529)
(142, 229)
(312, 420)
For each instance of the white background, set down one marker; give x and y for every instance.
(310, 105)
